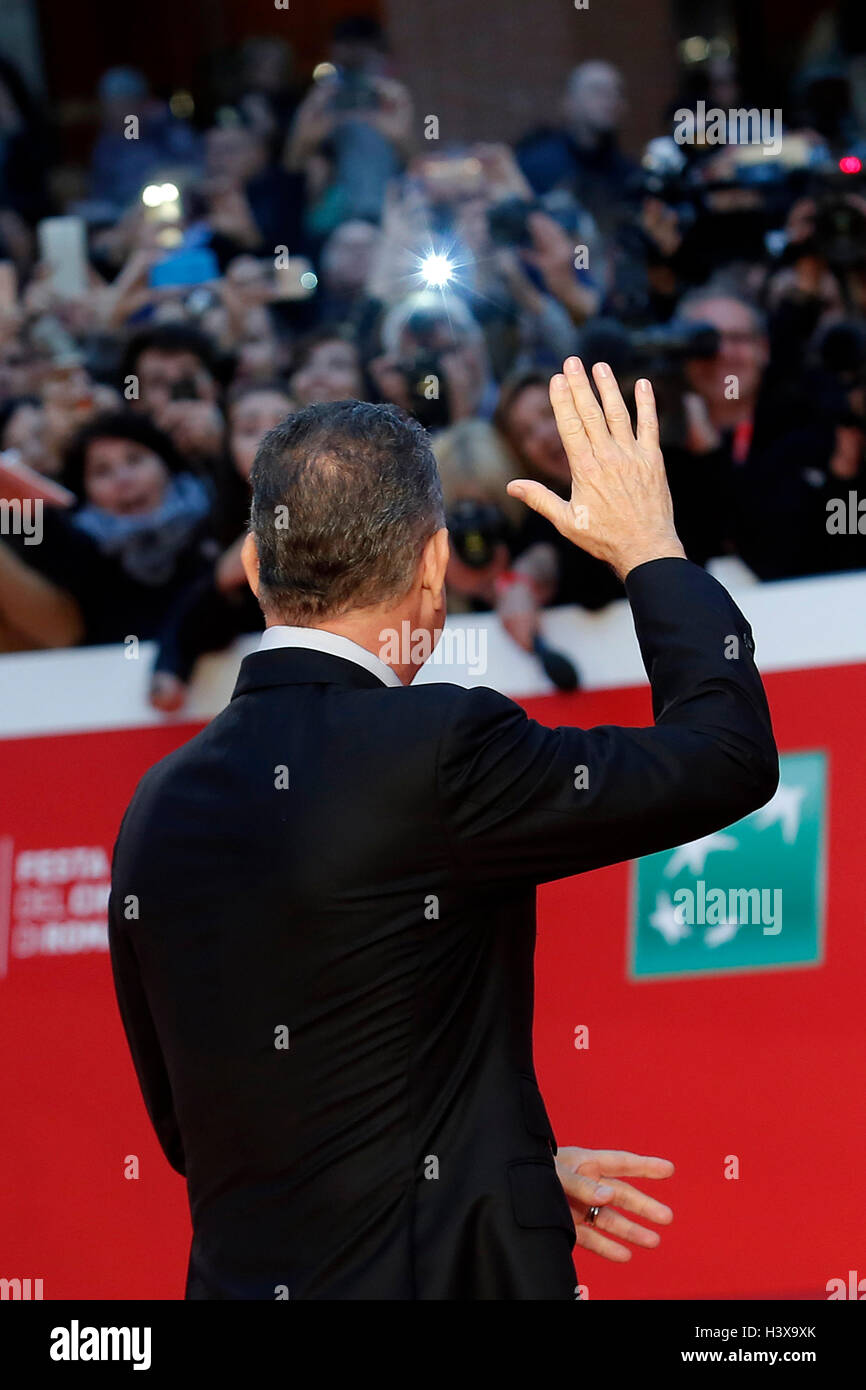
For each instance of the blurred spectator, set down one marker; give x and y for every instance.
(267, 96)
(126, 551)
(435, 361)
(475, 465)
(764, 453)
(346, 263)
(326, 367)
(583, 154)
(353, 130)
(248, 202)
(253, 410)
(121, 165)
(22, 424)
(547, 569)
(168, 363)
(219, 605)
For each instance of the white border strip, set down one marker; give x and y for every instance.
(797, 624)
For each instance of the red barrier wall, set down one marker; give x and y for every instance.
(769, 1066)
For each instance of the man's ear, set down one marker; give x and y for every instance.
(250, 562)
(435, 563)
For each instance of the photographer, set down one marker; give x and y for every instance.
(173, 368)
(435, 362)
(353, 131)
(763, 450)
(823, 272)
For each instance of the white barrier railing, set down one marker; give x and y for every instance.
(797, 624)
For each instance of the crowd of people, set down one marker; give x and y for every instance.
(296, 247)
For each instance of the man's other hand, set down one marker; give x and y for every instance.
(593, 1178)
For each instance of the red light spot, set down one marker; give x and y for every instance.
(850, 164)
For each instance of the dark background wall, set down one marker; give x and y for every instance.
(489, 70)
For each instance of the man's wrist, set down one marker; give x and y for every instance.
(670, 549)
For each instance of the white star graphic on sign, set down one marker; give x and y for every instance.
(785, 807)
(669, 920)
(694, 854)
(725, 931)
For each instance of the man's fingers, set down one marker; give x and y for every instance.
(618, 1226)
(615, 412)
(647, 417)
(568, 422)
(589, 1238)
(585, 1190)
(618, 1163)
(586, 405)
(541, 500)
(639, 1204)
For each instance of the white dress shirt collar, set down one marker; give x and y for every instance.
(317, 639)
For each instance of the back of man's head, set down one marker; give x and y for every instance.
(345, 497)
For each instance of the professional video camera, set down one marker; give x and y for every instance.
(723, 214)
(659, 347)
(838, 238)
(659, 352)
(740, 214)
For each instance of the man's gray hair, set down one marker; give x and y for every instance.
(345, 496)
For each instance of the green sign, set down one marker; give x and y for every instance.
(750, 897)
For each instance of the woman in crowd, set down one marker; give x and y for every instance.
(116, 561)
(327, 367)
(547, 570)
(219, 605)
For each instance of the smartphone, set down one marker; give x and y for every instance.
(450, 176)
(192, 265)
(63, 247)
(508, 222)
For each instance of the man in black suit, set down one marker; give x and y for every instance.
(322, 917)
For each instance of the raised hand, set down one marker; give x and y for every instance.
(620, 508)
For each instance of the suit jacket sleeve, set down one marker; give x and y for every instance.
(142, 1038)
(525, 802)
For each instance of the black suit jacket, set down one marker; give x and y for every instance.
(377, 913)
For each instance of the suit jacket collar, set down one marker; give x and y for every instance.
(301, 666)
